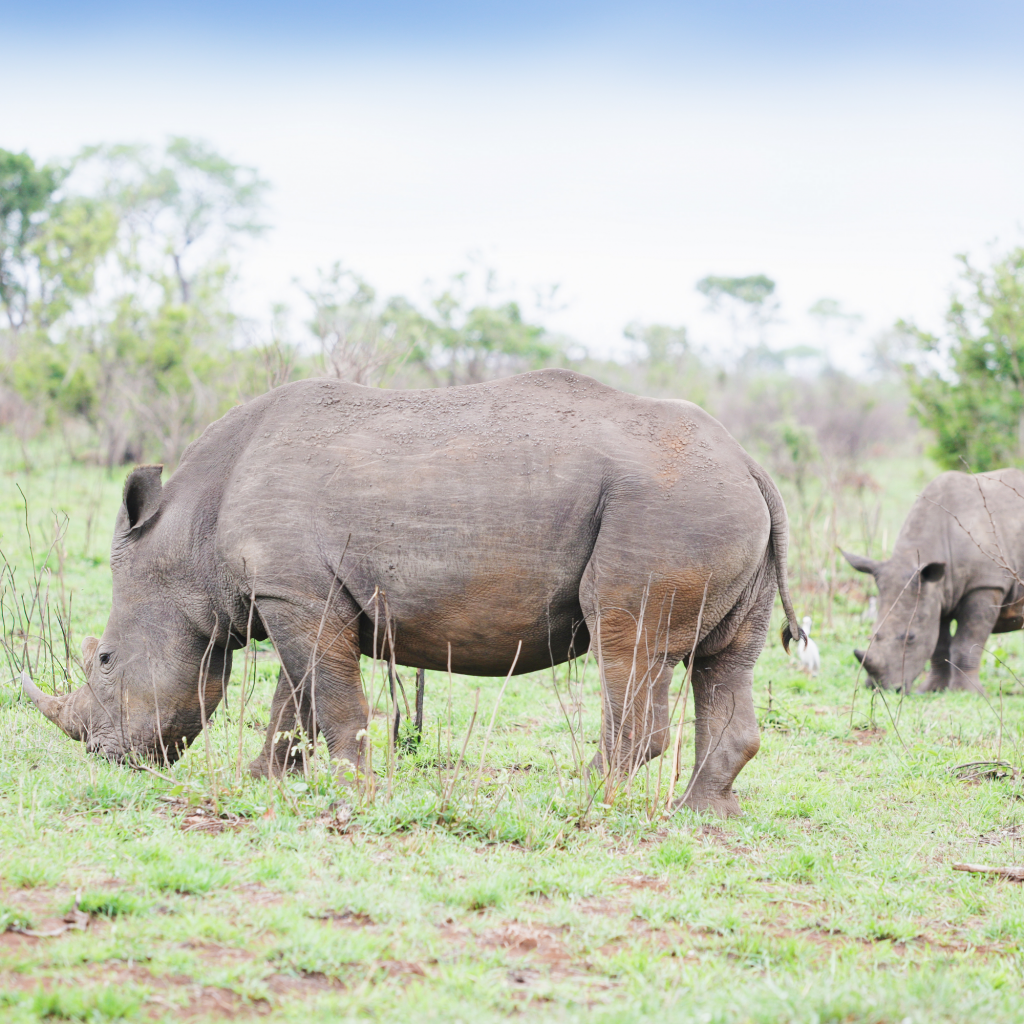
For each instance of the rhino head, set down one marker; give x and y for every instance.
(155, 674)
(906, 630)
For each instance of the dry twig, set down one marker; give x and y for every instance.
(1013, 872)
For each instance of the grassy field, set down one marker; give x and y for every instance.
(507, 887)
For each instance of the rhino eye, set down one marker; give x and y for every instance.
(104, 657)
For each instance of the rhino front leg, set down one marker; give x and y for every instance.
(320, 688)
(975, 616)
(938, 674)
(291, 732)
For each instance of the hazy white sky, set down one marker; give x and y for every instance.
(623, 174)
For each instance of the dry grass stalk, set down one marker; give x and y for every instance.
(490, 727)
(683, 693)
(245, 683)
(1012, 872)
(462, 754)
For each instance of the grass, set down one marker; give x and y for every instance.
(511, 893)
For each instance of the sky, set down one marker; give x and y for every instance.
(622, 152)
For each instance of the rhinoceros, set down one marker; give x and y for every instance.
(959, 557)
(497, 526)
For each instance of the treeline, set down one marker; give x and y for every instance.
(116, 319)
(118, 332)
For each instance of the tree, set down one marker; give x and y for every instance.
(146, 359)
(466, 344)
(669, 365)
(967, 385)
(358, 342)
(830, 318)
(50, 245)
(182, 212)
(747, 295)
(26, 193)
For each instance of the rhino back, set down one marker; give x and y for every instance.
(972, 522)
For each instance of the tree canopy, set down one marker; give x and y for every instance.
(967, 384)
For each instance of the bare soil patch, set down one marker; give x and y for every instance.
(865, 737)
(527, 939)
(650, 883)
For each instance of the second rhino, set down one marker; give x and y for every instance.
(959, 558)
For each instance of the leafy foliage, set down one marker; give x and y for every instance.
(754, 290)
(455, 341)
(116, 293)
(749, 297)
(969, 388)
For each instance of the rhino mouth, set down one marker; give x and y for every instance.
(874, 679)
(872, 676)
(138, 758)
(118, 757)
(80, 724)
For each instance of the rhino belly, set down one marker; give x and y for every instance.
(483, 599)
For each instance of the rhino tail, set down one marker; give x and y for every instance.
(780, 549)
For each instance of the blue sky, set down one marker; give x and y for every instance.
(623, 151)
(898, 27)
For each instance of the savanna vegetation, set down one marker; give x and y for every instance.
(479, 875)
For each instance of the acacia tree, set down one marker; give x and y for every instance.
(746, 297)
(967, 386)
(182, 211)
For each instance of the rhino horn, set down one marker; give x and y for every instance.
(55, 708)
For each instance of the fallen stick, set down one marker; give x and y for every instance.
(1015, 872)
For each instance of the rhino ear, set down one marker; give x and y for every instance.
(933, 572)
(142, 492)
(89, 645)
(860, 563)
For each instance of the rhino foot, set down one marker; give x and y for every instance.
(721, 805)
(260, 768)
(967, 682)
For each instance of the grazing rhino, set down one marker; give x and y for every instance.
(959, 557)
(541, 515)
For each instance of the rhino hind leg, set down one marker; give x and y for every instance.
(726, 734)
(319, 691)
(975, 616)
(635, 719)
(637, 662)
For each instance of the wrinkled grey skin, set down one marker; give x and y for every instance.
(545, 509)
(956, 559)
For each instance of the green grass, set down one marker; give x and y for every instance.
(213, 896)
